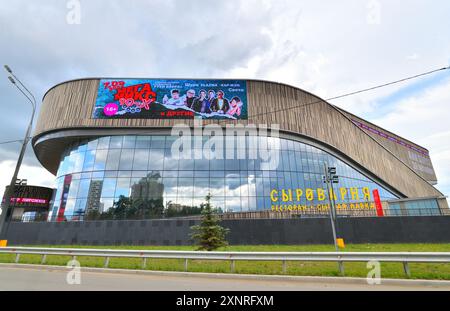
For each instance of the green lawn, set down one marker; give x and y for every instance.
(388, 270)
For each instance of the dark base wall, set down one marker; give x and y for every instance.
(433, 229)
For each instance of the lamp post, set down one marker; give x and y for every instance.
(329, 178)
(6, 215)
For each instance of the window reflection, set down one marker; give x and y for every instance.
(126, 159)
(140, 161)
(103, 142)
(109, 187)
(92, 144)
(88, 161)
(116, 142)
(143, 142)
(138, 175)
(83, 191)
(100, 160)
(123, 187)
(156, 159)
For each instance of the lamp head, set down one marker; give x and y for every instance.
(12, 80)
(8, 69)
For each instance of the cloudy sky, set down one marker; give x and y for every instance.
(326, 47)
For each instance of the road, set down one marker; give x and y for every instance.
(31, 278)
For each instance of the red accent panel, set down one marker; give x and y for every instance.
(376, 196)
(65, 192)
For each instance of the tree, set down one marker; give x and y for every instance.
(92, 215)
(209, 235)
(176, 210)
(121, 209)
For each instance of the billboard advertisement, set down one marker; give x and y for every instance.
(171, 99)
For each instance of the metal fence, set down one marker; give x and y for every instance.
(262, 214)
(340, 257)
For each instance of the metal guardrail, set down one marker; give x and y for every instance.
(340, 257)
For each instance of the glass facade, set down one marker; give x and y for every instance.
(428, 207)
(140, 172)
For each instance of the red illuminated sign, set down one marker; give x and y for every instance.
(139, 92)
(28, 200)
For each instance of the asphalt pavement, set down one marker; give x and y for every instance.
(30, 278)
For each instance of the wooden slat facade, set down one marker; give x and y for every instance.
(406, 154)
(70, 105)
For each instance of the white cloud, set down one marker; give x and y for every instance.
(414, 56)
(424, 119)
(422, 116)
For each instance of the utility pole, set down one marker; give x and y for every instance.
(329, 178)
(6, 213)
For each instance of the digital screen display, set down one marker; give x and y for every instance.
(29, 200)
(171, 99)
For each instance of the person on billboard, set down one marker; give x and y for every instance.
(201, 104)
(211, 95)
(220, 104)
(175, 99)
(235, 107)
(189, 98)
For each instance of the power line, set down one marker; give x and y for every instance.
(348, 94)
(12, 141)
(389, 83)
(320, 100)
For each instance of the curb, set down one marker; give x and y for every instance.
(288, 278)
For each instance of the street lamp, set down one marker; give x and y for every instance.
(329, 173)
(330, 178)
(5, 216)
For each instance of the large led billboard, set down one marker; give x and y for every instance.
(171, 99)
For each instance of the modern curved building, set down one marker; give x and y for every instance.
(109, 142)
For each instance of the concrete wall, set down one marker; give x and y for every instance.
(426, 229)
